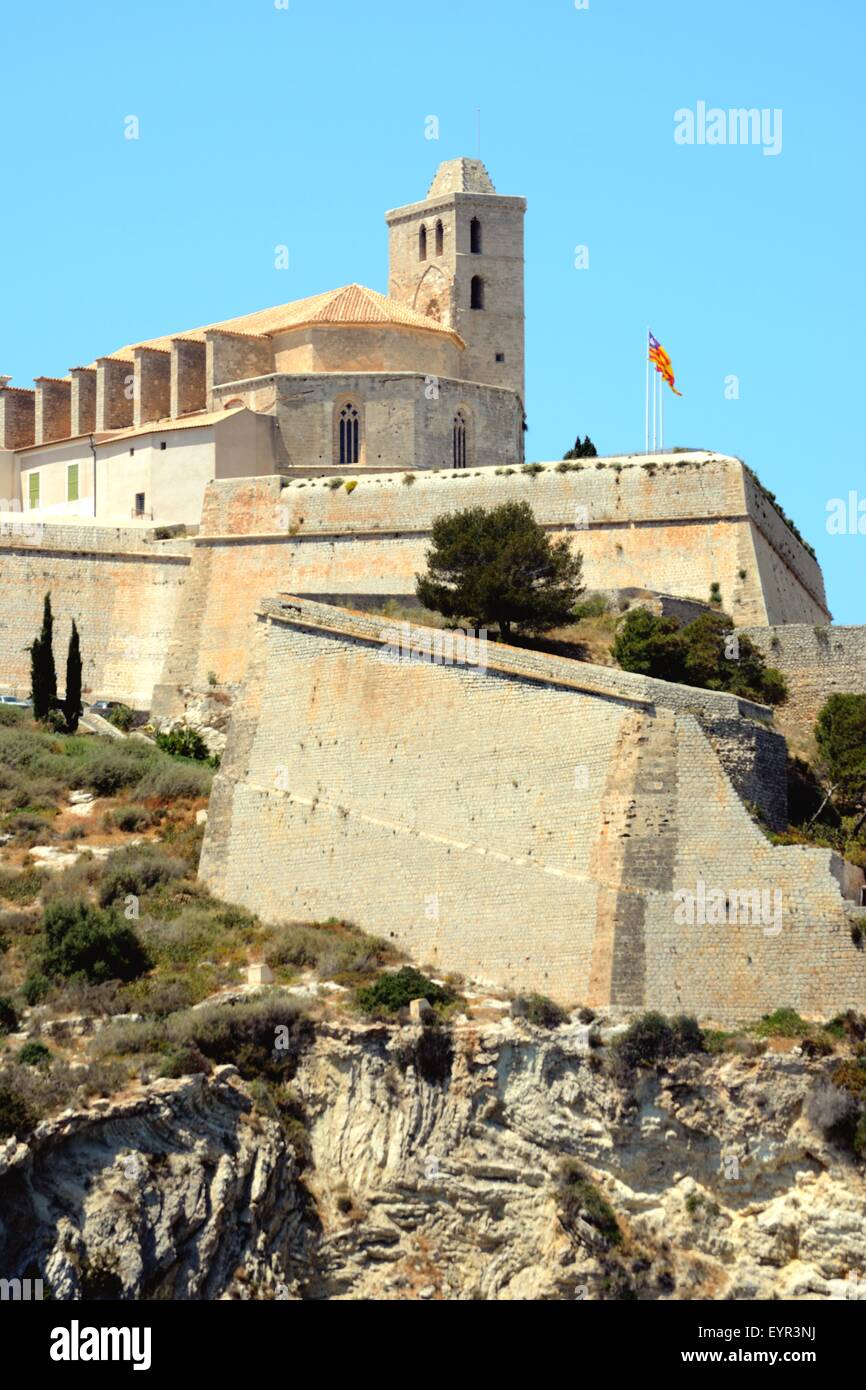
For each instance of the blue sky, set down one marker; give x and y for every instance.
(262, 126)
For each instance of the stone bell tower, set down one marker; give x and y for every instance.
(458, 257)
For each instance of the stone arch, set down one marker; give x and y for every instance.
(462, 437)
(348, 433)
(432, 290)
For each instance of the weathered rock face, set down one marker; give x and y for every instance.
(160, 1195)
(433, 1175)
(206, 710)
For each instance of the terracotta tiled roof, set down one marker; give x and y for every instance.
(353, 304)
(168, 426)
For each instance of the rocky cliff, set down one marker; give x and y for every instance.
(433, 1173)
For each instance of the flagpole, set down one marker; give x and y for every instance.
(646, 414)
(661, 416)
(655, 411)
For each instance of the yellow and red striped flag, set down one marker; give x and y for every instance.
(663, 364)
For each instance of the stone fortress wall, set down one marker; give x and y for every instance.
(676, 523)
(123, 588)
(818, 661)
(529, 823)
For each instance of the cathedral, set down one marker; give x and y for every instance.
(429, 376)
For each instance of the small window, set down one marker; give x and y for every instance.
(131, 453)
(477, 291)
(500, 356)
(458, 440)
(475, 237)
(162, 445)
(422, 244)
(350, 435)
(440, 239)
(72, 483)
(139, 504)
(33, 492)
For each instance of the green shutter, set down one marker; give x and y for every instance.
(34, 490)
(72, 483)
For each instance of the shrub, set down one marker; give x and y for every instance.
(832, 1111)
(82, 940)
(34, 1054)
(10, 716)
(8, 1015)
(173, 782)
(697, 654)
(110, 769)
(28, 829)
(245, 1035)
(136, 870)
(22, 887)
(122, 717)
(16, 1116)
(579, 1199)
(396, 990)
(35, 989)
(840, 732)
(653, 1038)
(541, 1011)
(128, 818)
(183, 742)
(184, 1061)
(336, 950)
(784, 1023)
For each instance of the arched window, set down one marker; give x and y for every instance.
(422, 244)
(459, 440)
(475, 237)
(440, 238)
(350, 434)
(477, 290)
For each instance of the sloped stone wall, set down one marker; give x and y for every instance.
(532, 823)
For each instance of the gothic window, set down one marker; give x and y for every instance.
(459, 440)
(440, 238)
(475, 237)
(422, 244)
(350, 434)
(477, 291)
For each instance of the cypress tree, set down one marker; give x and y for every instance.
(43, 675)
(72, 703)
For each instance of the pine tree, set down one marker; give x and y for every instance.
(585, 450)
(43, 675)
(72, 703)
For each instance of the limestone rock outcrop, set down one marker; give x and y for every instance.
(433, 1175)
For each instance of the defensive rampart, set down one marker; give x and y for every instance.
(677, 524)
(544, 824)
